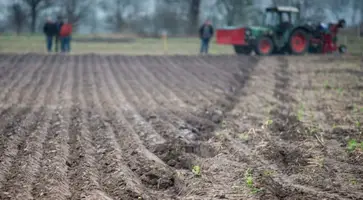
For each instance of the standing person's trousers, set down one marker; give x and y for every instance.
(204, 45)
(66, 44)
(57, 41)
(49, 41)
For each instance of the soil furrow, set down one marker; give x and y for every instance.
(188, 121)
(179, 89)
(206, 77)
(165, 90)
(128, 127)
(50, 163)
(11, 71)
(175, 155)
(20, 131)
(155, 175)
(188, 76)
(28, 159)
(7, 70)
(117, 179)
(146, 133)
(223, 73)
(24, 81)
(147, 106)
(182, 82)
(82, 172)
(16, 105)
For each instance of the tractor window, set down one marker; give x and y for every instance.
(285, 18)
(294, 18)
(271, 19)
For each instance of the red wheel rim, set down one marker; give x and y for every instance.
(298, 42)
(264, 46)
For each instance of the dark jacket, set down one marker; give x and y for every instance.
(50, 29)
(206, 31)
(59, 25)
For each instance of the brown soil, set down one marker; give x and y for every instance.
(133, 127)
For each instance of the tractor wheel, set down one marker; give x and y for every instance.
(342, 49)
(264, 46)
(299, 42)
(239, 49)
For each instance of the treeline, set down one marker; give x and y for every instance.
(149, 17)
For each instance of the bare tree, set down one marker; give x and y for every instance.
(76, 10)
(235, 10)
(194, 10)
(119, 12)
(35, 7)
(357, 8)
(337, 7)
(17, 17)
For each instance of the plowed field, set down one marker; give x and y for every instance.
(134, 127)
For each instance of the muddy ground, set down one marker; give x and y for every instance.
(180, 127)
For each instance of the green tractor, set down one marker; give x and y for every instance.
(280, 33)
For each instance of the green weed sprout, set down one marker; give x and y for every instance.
(355, 108)
(357, 124)
(326, 85)
(269, 122)
(300, 113)
(353, 145)
(196, 170)
(249, 182)
(243, 136)
(340, 91)
(353, 181)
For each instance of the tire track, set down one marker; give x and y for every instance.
(284, 156)
(17, 141)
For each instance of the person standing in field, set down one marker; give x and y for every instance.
(206, 32)
(59, 25)
(66, 36)
(50, 30)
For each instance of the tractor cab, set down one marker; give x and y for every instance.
(281, 15)
(281, 20)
